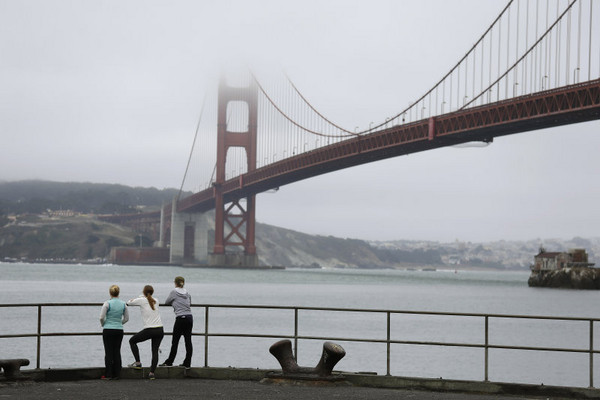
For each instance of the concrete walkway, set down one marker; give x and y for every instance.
(182, 389)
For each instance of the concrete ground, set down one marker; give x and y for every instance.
(182, 389)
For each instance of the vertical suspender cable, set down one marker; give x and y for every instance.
(265, 129)
(515, 83)
(443, 97)
(429, 113)
(507, 53)
(272, 130)
(286, 136)
(568, 49)
(590, 44)
(482, 65)
(451, 94)
(271, 127)
(578, 43)
(490, 72)
(557, 55)
(535, 67)
(499, 58)
(524, 75)
(473, 82)
(546, 55)
(466, 79)
(458, 87)
(277, 133)
(299, 133)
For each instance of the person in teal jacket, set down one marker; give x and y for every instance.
(112, 317)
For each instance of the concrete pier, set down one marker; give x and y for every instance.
(189, 238)
(233, 383)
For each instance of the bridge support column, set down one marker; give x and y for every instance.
(161, 233)
(189, 238)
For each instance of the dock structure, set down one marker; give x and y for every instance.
(234, 383)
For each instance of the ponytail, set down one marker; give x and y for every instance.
(148, 291)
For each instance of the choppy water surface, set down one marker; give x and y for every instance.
(464, 292)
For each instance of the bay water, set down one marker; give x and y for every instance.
(439, 291)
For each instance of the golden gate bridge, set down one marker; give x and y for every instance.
(536, 66)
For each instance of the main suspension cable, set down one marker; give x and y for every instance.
(192, 149)
(290, 119)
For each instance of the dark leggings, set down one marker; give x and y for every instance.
(183, 326)
(112, 339)
(156, 334)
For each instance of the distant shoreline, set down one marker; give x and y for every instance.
(421, 268)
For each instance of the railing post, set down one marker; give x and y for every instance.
(388, 343)
(591, 353)
(206, 336)
(39, 336)
(486, 347)
(296, 334)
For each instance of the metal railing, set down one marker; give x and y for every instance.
(295, 337)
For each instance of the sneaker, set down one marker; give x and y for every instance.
(105, 378)
(151, 376)
(135, 365)
(165, 364)
(184, 366)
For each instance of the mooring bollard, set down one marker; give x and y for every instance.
(332, 353)
(12, 367)
(282, 351)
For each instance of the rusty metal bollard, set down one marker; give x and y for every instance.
(332, 353)
(282, 351)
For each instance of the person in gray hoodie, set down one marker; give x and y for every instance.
(181, 301)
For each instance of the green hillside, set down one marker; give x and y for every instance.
(34, 196)
(51, 239)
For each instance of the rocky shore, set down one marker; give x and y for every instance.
(570, 278)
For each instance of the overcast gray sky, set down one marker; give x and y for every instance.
(110, 92)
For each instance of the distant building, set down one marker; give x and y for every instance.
(550, 261)
(61, 213)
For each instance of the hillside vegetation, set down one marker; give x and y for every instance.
(34, 196)
(53, 239)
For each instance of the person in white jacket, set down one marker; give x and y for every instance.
(153, 328)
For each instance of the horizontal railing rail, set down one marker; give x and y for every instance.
(388, 341)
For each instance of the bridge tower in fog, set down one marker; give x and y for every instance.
(235, 217)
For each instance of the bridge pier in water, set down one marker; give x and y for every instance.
(189, 238)
(189, 244)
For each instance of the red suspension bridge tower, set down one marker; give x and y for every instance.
(235, 221)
